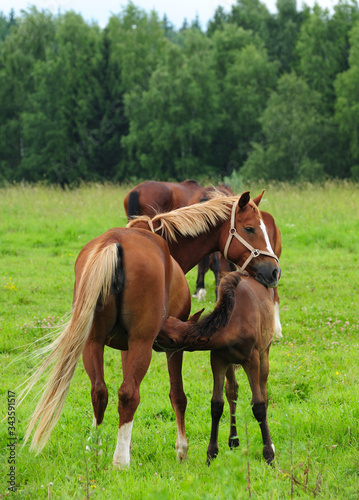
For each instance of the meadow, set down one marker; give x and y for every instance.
(313, 384)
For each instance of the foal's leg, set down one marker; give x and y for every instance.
(257, 370)
(268, 450)
(179, 401)
(232, 397)
(219, 367)
(137, 361)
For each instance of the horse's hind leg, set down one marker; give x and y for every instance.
(257, 370)
(179, 401)
(232, 397)
(92, 356)
(219, 367)
(137, 361)
(93, 361)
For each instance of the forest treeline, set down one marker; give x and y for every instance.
(254, 94)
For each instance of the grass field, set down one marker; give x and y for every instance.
(314, 376)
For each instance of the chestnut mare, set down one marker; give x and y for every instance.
(152, 197)
(220, 266)
(126, 285)
(238, 332)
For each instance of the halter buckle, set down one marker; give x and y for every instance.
(256, 253)
(232, 230)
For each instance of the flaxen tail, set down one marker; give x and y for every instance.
(95, 284)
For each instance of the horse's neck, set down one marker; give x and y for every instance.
(188, 252)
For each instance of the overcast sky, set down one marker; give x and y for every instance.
(177, 11)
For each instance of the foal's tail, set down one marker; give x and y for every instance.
(99, 278)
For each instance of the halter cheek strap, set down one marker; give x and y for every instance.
(233, 233)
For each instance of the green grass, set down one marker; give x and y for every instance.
(314, 376)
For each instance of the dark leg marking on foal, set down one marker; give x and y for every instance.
(233, 442)
(216, 413)
(259, 411)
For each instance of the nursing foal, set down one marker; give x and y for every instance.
(238, 332)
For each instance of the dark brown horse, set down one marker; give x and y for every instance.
(238, 332)
(126, 285)
(152, 197)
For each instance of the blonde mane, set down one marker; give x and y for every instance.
(192, 220)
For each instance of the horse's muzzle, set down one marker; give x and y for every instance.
(267, 274)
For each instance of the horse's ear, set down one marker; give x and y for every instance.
(195, 317)
(244, 200)
(258, 198)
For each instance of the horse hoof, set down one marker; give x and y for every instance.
(233, 443)
(268, 454)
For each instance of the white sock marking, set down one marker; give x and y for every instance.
(200, 294)
(181, 447)
(122, 455)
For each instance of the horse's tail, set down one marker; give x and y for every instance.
(101, 276)
(201, 332)
(133, 204)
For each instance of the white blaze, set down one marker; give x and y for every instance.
(266, 237)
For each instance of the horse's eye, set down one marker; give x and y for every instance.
(249, 229)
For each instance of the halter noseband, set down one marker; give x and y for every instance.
(254, 252)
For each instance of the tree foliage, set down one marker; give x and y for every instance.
(262, 94)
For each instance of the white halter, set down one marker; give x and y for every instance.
(254, 252)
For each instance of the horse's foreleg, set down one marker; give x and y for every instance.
(219, 367)
(277, 324)
(257, 370)
(232, 397)
(202, 268)
(179, 401)
(215, 268)
(137, 361)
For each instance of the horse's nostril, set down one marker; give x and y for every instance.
(275, 274)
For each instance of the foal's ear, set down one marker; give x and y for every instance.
(195, 317)
(244, 200)
(258, 198)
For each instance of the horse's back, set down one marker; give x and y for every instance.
(151, 278)
(182, 193)
(204, 193)
(153, 197)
